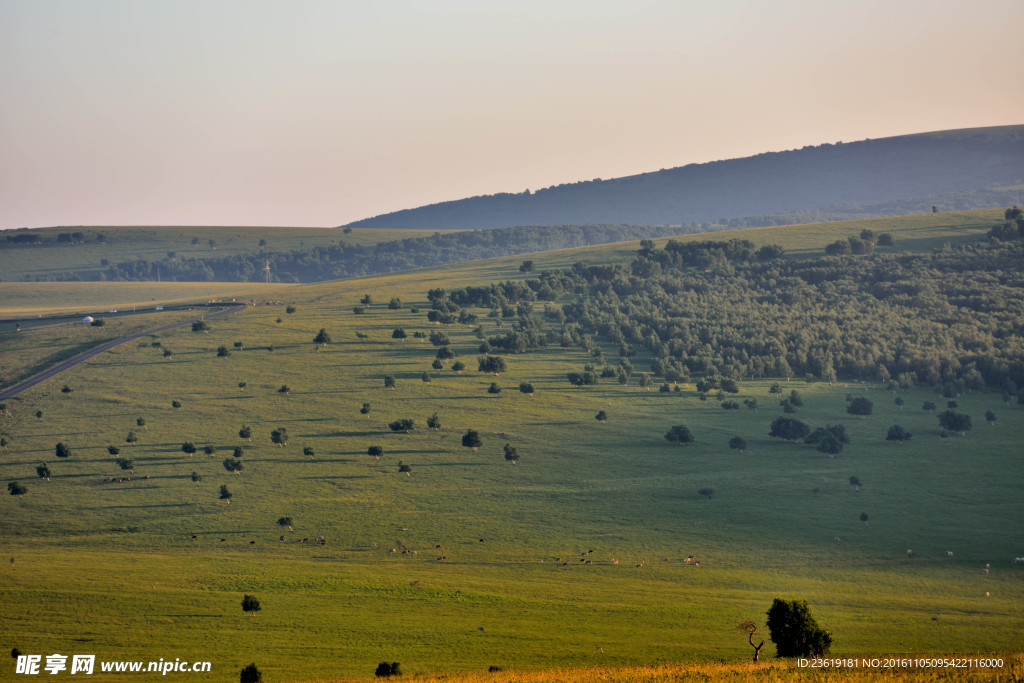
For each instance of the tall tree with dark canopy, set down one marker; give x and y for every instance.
(679, 434)
(794, 631)
(471, 439)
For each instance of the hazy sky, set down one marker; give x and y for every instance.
(320, 113)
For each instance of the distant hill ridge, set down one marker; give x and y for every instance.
(953, 169)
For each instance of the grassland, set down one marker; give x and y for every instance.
(113, 568)
(152, 243)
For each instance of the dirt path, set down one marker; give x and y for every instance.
(81, 358)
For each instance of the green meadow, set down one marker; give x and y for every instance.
(152, 243)
(577, 555)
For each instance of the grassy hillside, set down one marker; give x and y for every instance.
(112, 568)
(953, 170)
(52, 258)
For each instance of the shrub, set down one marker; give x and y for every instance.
(794, 631)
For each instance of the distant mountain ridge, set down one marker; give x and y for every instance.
(846, 179)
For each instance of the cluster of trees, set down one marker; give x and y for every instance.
(728, 309)
(341, 260)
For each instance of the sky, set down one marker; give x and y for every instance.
(317, 113)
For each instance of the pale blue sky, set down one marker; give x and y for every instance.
(318, 113)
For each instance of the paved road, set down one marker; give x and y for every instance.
(81, 358)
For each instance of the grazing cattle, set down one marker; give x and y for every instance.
(689, 559)
(438, 545)
(949, 553)
(442, 558)
(194, 536)
(589, 562)
(223, 540)
(481, 540)
(614, 561)
(282, 538)
(835, 539)
(252, 542)
(1018, 559)
(910, 553)
(394, 550)
(640, 565)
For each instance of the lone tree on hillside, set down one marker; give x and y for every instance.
(126, 464)
(62, 450)
(176, 404)
(471, 439)
(200, 326)
(245, 432)
(322, 338)
(250, 604)
(16, 489)
(738, 444)
(189, 448)
(365, 410)
(860, 406)
(897, 434)
(141, 422)
(494, 388)
(233, 465)
(384, 670)
(279, 436)
(750, 628)
(511, 454)
(196, 477)
(222, 351)
(375, 452)
(399, 333)
(403, 468)
(601, 416)
(113, 450)
(225, 494)
(708, 492)
(526, 388)
(402, 425)
(434, 422)
(794, 631)
(495, 364)
(679, 434)
(250, 674)
(955, 422)
(285, 521)
(132, 437)
(43, 471)
(389, 382)
(458, 366)
(789, 428)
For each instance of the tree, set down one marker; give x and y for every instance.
(398, 333)
(196, 477)
(141, 422)
(250, 674)
(200, 326)
(404, 469)
(439, 339)
(366, 300)
(990, 417)
(495, 364)
(402, 425)
(126, 464)
(444, 353)
(601, 416)
(955, 422)
(285, 389)
(679, 434)
(308, 451)
(238, 452)
(860, 406)
(168, 353)
(394, 304)
(250, 604)
(511, 454)
(189, 448)
(176, 404)
(471, 439)
(750, 628)
(389, 382)
(737, 444)
(322, 338)
(375, 452)
(384, 670)
(63, 451)
(789, 428)
(224, 493)
(458, 366)
(864, 517)
(794, 631)
(434, 422)
(526, 267)
(16, 489)
(43, 470)
(425, 378)
(233, 465)
(285, 521)
(899, 402)
(365, 410)
(707, 492)
(928, 406)
(289, 309)
(132, 437)
(494, 388)
(222, 351)
(279, 436)
(66, 389)
(898, 434)
(245, 432)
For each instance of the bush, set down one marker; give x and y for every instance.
(794, 631)
(251, 674)
(384, 670)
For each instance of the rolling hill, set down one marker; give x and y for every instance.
(579, 553)
(952, 170)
